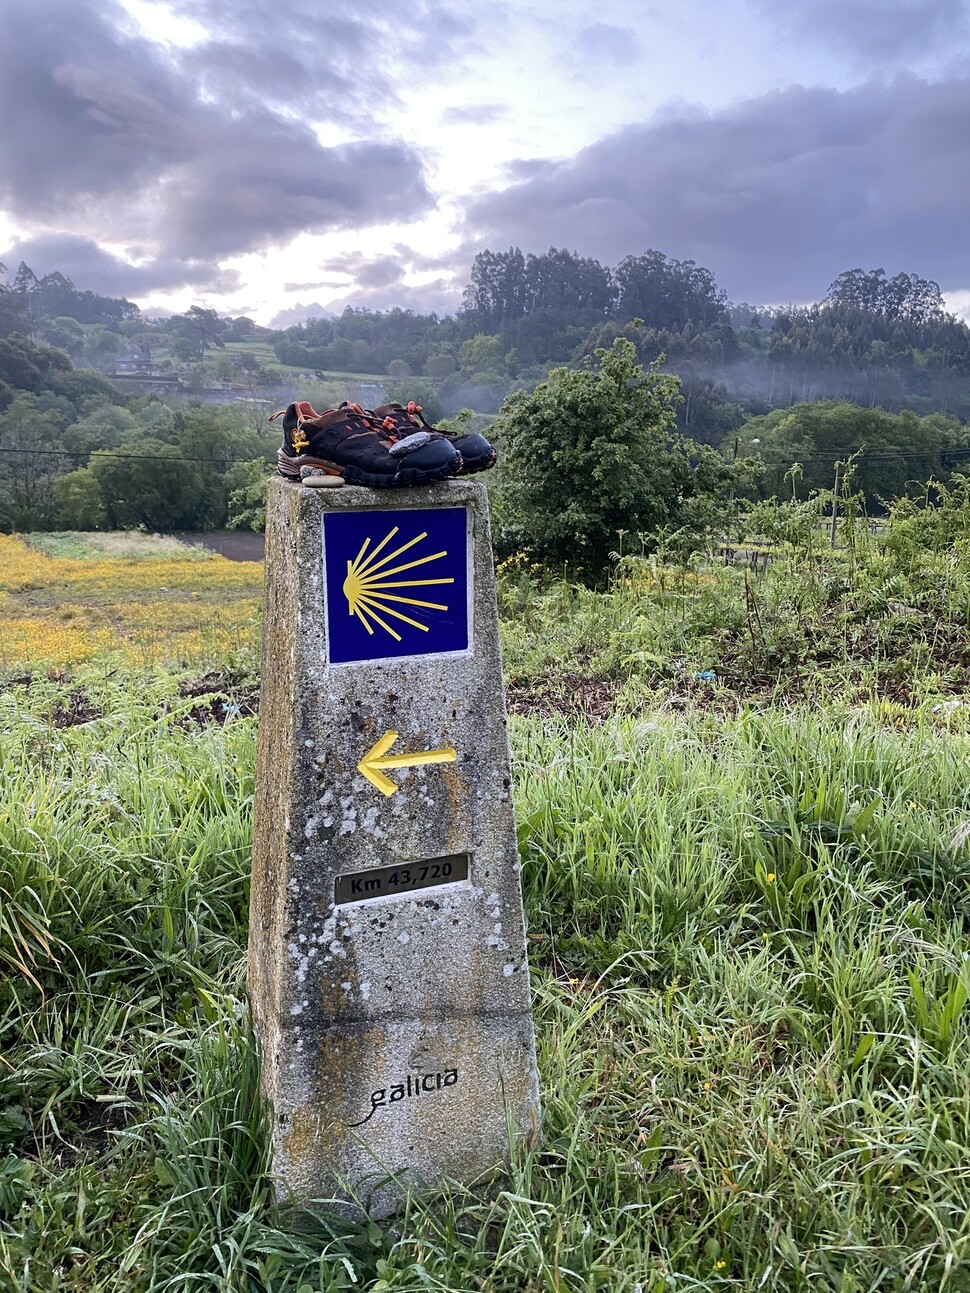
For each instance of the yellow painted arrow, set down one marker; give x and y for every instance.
(377, 758)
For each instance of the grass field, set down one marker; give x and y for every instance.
(67, 600)
(744, 818)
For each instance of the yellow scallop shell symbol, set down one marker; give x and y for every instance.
(369, 579)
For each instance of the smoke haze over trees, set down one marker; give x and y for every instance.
(871, 339)
(882, 345)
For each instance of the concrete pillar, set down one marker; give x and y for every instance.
(387, 954)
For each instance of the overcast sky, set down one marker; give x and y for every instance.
(258, 157)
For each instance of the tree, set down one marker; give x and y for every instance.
(30, 461)
(198, 330)
(84, 389)
(419, 390)
(898, 452)
(14, 315)
(103, 346)
(568, 287)
(496, 293)
(222, 435)
(246, 483)
(184, 348)
(223, 368)
(29, 367)
(106, 427)
(440, 366)
(65, 333)
(905, 296)
(148, 484)
(668, 293)
(78, 498)
(479, 352)
(589, 454)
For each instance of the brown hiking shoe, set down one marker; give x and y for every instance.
(353, 443)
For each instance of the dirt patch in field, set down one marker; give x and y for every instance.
(586, 697)
(569, 694)
(74, 709)
(235, 545)
(221, 695)
(16, 680)
(96, 1121)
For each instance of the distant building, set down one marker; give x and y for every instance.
(137, 363)
(138, 374)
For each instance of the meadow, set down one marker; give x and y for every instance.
(70, 599)
(744, 816)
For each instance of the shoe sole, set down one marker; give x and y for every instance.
(406, 477)
(469, 469)
(289, 468)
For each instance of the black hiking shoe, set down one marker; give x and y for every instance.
(352, 443)
(477, 453)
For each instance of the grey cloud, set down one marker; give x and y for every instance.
(603, 42)
(308, 287)
(351, 263)
(458, 258)
(378, 282)
(441, 297)
(377, 271)
(178, 151)
(86, 109)
(91, 268)
(388, 271)
(529, 168)
(476, 114)
(381, 272)
(874, 31)
(776, 195)
(268, 182)
(298, 314)
(311, 36)
(439, 34)
(233, 73)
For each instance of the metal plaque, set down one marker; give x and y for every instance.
(402, 878)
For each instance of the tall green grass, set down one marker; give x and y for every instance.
(749, 944)
(879, 616)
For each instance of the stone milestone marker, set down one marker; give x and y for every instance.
(387, 953)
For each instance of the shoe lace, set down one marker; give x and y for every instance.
(411, 416)
(352, 414)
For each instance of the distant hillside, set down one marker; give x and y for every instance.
(872, 340)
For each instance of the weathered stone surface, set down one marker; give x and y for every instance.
(396, 1029)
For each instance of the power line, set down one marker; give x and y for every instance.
(843, 455)
(123, 457)
(833, 456)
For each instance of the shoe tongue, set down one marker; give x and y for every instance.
(330, 418)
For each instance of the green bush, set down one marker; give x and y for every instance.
(590, 455)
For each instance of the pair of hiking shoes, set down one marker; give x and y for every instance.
(387, 447)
